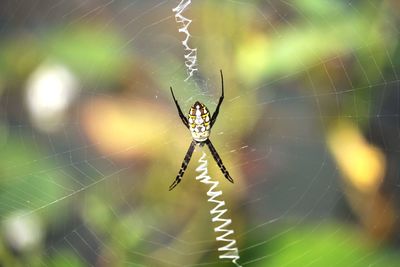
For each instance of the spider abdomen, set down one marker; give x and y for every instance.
(199, 122)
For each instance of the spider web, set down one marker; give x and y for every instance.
(310, 115)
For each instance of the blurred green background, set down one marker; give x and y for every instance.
(90, 138)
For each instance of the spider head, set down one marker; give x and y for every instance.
(199, 122)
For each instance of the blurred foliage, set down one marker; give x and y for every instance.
(97, 186)
(93, 54)
(322, 245)
(25, 173)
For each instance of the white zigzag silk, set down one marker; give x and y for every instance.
(230, 249)
(191, 53)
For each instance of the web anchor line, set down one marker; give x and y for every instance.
(230, 249)
(190, 53)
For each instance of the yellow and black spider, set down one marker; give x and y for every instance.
(200, 124)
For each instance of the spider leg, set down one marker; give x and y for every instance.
(218, 160)
(215, 115)
(183, 118)
(184, 165)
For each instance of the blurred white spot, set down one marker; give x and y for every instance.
(199, 120)
(50, 91)
(22, 232)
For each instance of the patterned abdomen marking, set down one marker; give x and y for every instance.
(199, 122)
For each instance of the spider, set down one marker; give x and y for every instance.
(199, 123)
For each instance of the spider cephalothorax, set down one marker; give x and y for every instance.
(200, 123)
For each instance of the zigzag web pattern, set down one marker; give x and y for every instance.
(191, 53)
(230, 249)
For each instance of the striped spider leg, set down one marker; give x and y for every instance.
(184, 165)
(199, 123)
